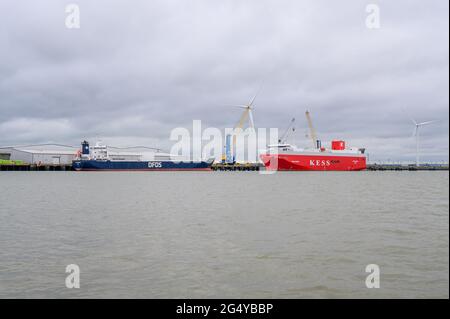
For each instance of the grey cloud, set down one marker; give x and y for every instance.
(135, 70)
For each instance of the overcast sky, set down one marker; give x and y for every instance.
(134, 70)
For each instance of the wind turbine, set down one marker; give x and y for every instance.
(416, 134)
(248, 113)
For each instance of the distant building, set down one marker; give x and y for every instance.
(32, 156)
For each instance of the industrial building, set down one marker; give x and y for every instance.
(58, 155)
(38, 156)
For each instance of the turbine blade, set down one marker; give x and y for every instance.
(256, 94)
(427, 122)
(252, 100)
(410, 117)
(242, 106)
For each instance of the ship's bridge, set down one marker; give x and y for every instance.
(100, 151)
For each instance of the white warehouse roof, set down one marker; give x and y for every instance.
(46, 152)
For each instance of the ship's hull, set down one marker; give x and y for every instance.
(96, 165)
(314, 162)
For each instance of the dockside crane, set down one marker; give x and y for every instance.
(312, 131)
(290, 129)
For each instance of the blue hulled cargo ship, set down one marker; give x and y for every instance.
(101, 159)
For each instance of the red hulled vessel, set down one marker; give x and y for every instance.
(285, 157)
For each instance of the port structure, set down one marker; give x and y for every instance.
(290, 129)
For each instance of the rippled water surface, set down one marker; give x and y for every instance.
(224, 234)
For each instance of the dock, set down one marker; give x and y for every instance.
(410, 167)
(35, 167)
(237, 167)
(227, 167)
(370, 167)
